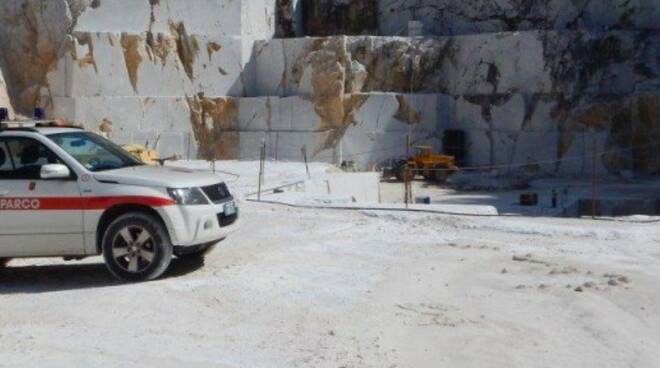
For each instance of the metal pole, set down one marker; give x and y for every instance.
(410, 190)
(213, 163)
(189, 148)
(408, 142)
(593, 178)
(277, 146)
(262, 159)
(407, 186)
(304, 153)
(341, 152)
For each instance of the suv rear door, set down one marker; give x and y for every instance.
(37, 217)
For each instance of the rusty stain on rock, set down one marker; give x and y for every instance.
(211, 48)
(105, 126)
(328, 60)
(36, 54)
(631, 126)
(215, 126)
(328, 78)
(186, 46)
(85, 39)
(159, 47)
(132, 57)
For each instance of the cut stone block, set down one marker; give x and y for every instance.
(113, 64)
(224, 17)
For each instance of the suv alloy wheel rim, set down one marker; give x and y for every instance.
(133, 248)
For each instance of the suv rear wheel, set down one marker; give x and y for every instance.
(136, 247)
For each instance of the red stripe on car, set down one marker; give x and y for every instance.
(79, 203)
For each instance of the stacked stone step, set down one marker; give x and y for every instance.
(531, 99)
(169, 71)
(525, 99)
(178, 73)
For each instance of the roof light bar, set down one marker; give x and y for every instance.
(20, 124)
(38, 122)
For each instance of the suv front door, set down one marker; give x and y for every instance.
(37, 217)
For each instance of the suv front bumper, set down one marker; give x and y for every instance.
(195, 225)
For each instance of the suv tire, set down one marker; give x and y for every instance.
(136, 247)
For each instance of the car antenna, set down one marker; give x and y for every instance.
(156, 142)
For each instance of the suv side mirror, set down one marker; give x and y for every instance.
(55, 171)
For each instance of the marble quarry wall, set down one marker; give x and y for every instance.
(534, 85)
(522, 97)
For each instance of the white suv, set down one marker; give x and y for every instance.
(65, 192)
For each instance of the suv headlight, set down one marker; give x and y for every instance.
(188, 196)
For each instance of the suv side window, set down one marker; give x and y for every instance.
(22, 158)
(5, 162)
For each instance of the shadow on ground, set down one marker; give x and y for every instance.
(61, 277)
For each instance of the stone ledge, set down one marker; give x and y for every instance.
(569, 62)
(171, 64)
(253, 18)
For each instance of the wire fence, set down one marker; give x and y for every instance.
(400, 150)
(589, 204)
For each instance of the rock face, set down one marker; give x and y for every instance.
(163, 58)
(535, 85)
(451, 17)
(447, 17)
(30, 40)
(569, 63)
(333, 17)
(518, 96)
(4, 95)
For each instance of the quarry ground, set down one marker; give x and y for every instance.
(327, 288)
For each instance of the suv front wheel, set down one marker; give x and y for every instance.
(136, 247)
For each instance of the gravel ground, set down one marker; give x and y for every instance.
(326, 288)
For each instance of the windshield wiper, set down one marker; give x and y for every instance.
(116, 167)
(106, 168)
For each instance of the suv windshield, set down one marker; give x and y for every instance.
(94, 152)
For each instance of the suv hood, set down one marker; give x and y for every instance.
(159, 176)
